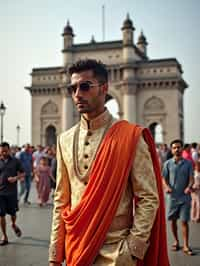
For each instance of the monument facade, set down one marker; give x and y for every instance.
(147, 91)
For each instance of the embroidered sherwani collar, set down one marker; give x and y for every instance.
(97, 122)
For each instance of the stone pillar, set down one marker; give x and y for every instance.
(129, 105)
(67, 110)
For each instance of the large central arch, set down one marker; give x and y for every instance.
(154, 117)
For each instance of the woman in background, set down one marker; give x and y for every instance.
(195, 211)
(42, 179)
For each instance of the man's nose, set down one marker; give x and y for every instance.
(78, 91)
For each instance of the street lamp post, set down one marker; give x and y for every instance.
(18, 130)
(2, 113)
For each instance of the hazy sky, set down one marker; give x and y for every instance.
(30, 37)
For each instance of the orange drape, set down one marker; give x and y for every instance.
(157, 254)
(88, 223)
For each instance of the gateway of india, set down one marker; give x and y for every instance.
(147, 91)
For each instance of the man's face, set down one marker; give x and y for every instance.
(176, 149)
(39, 147)
(4, 152)
(89, 101)
(27, 147)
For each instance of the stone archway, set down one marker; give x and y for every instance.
(49, 118)
(50, 135)
(113, 104)
(155, 118)
(156, 131)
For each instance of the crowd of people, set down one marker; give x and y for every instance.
(39, 164)
(19, 167)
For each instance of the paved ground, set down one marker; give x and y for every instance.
(32, 248)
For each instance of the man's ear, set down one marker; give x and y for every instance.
(105, 88)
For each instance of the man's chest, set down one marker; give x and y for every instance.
(7, 168)
(79, 152)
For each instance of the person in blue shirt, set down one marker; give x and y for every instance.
(26, 160)
(178, 180)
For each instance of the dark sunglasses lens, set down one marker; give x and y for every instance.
(84, 86)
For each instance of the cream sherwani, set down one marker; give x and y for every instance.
(128, 236)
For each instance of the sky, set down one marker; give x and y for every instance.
(30, 37)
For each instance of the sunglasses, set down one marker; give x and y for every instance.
(83, 86)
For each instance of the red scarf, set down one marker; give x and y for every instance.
(88, 224)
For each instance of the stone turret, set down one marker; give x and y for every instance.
(128, 30)
(128, 40)
(128, 85)
(142, 43)
(68, 36)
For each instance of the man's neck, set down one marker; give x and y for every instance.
(177, 158)
(88, 116)
(5, 159)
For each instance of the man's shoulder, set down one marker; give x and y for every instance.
(13, 159)
(168, 162)
(22, 154)
(187, 162)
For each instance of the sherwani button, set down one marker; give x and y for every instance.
(86, 156)
(87, 143)
(85, 167)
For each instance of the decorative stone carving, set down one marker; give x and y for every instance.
(154, 104)
(49, 108)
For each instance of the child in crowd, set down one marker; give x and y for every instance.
(195, 210)
(42, 174)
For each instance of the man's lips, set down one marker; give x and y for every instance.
(81, 103)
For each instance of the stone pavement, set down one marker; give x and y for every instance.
(32, 248)
(178, 258)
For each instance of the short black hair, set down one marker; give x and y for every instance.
(5, 144)
(98, 68)
(176, 141)
(194, 145)
(186, 145)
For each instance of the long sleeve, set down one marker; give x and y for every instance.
(145, 188)
(61, 199)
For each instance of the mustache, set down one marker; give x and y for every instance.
(81, 102)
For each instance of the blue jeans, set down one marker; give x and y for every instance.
(25, 187)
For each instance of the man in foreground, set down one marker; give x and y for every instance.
(178, 181)
(10, 171)
(103, 164)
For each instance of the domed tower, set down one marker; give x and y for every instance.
(127, 30)
(142, 43)
(68, 36)
(128, 40)
(128, 86)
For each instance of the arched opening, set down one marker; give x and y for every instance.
(112, 106)
(50, 135)
(157, 132)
